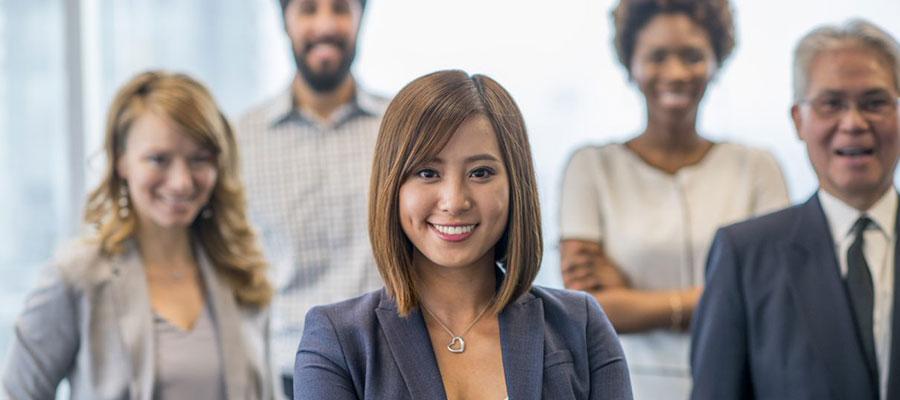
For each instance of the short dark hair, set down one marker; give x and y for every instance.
(715, 16)
(284, 4)
(416, 126)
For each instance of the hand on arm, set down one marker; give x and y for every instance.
(585, 266)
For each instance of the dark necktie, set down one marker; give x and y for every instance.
(860, 289)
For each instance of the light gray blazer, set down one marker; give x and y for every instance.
(89, 321)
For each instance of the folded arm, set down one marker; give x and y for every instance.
(585, 266)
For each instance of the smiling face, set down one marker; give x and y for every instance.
(323, 39)
(850, 125)
(170, 177)
(454, 208)
(672, 64)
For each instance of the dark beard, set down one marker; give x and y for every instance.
(325, 81)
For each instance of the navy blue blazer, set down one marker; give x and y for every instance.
(775, 321)
(556, 344)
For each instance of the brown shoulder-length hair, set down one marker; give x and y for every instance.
(225, 235)
(418, 123)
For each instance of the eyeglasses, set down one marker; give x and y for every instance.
(873, 107)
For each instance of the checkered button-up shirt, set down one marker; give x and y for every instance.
(306, 184)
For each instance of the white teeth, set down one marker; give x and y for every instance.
(454, 230)
(854, 151)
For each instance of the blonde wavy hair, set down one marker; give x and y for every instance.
(226, 235)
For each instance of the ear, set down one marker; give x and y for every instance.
(797, 119)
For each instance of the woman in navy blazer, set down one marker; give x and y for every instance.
(454, 222)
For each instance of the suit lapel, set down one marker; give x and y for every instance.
(227, 319)
(411, 348)
(522, 342)
(135, 320)
(819, 291)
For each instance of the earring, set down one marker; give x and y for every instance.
(124, 212)
(207, 212)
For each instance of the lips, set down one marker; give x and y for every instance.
(455, 232)
(674, 98)
(854, 151)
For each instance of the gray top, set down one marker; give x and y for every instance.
(189, 364)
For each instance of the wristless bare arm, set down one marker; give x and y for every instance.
(585, 266)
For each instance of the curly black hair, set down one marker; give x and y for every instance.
(715, 16)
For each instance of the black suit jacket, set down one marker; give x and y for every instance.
(775, 321)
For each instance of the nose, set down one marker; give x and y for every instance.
(674, 69)
(456, 197)
(852, 120)
(179, 178)
(324, 22)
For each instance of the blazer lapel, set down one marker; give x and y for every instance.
(410, 345)
(819, 290)
(132, 307)
(522, 342)
(227, 319)
(893, 385)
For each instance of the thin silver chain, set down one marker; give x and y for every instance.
(468, 328)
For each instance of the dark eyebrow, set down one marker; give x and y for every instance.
(468, 160)
(876, 92)
(481, 157)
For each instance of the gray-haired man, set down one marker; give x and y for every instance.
(799, 304)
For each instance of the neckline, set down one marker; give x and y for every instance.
(202, 317)
(714, 149)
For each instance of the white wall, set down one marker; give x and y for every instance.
(557, 60)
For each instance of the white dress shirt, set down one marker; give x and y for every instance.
(878, 250)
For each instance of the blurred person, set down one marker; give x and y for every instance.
(307, 156)
(637, 218)
(801, 304)
(166, 297)
(454, 221)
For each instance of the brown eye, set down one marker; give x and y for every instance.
(828, 105)
(693, 56)
(875, 104)
(482, 173)
(307, 7)
(657, 56)
(427, 173)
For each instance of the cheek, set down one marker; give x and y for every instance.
(411, 204)
(294, 28)
(207, 179)
(500, 205)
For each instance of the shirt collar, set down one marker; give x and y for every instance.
(841, 216)
(363, 102)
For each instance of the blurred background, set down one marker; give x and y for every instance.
(62, 60)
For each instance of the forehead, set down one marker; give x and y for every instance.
(473, 137)
(151, 130)
(671, 29)
(325, 3)
(849, 70)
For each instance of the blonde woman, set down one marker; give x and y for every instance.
(166, 297)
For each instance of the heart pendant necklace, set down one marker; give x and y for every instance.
(457, 343)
